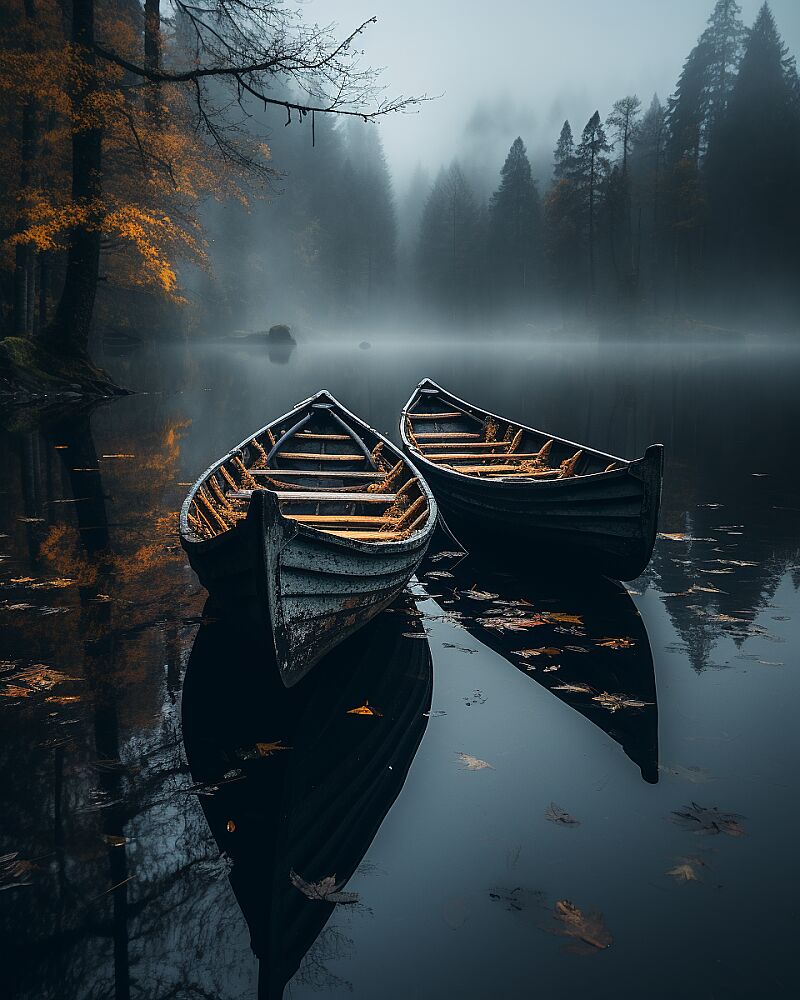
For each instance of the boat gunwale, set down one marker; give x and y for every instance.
(500, 481)
(188, 536)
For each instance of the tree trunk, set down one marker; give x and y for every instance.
(69, 332)
(152, 53)
(23, 251)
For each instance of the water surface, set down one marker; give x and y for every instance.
(157, 786)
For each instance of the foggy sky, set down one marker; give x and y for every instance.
(523, 70)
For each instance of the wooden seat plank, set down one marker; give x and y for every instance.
(300, 473)
(308, 496)
(308, 436)
(429, 435)
(444, 415)
(317, 519)
(469, 444)
(310, 456)
(473, 469)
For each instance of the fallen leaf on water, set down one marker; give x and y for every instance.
(326, 890)
(267, 749)
(686, 870)
(560, 816)
(576, 649)
(699, 819)
(118, 456)
(623, 643)
(479, 595)
(434, 713)
(439, 574)
(569, 619)
(31, 520)
(365, 709)
(705, 590)
(415, 635)
(551, 668)
(512, 624)
(680, 536)
(438, 556)
(614, 702)
(461, 649)
(115, 841)
(588, 930)
(573, 688)
(63, 699)
(472, 763)
(541, 651)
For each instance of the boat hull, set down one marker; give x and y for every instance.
(605, 522)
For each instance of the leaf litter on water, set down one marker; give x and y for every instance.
(365, 709)
(555, 814)
(588, 930)
(326, 890)
(701, 819)
(472, 763)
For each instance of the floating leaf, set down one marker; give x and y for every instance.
(684, 871)
(365, 709)
(568, 619)
(588, 930)
(113, 840)
(551, 668)
(438, 556)
(479, 595)
(623, 643)
(434, 713)
(439, 574)
(614, 702)
(267, 749)
(472, 763)
(326, 890)
(556, 814)
(512, 623)
(573, 688)
(699, 819)
(461, 649)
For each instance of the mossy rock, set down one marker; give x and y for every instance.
(29, 373)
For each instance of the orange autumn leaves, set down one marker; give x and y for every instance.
(157, 168)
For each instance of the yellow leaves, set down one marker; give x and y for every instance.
(365, 709)
(568, 619)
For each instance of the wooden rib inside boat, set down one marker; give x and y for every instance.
(324, 474)
(538, 496)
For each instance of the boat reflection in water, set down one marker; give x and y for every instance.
(585, 639)
(315, 804)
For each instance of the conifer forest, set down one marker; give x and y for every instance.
(399, 522)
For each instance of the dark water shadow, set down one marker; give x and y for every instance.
(315, 806)
(585, 639)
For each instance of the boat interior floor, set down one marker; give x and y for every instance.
(325, 474)
(478, 444)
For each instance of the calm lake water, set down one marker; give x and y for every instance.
(157, 788)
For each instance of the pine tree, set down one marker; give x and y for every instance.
(647, 170)
(515, 227)
(622, 122)
(591, 170)
(754, 163)
(449, 253)
(564, 154)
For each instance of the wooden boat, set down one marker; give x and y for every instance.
(313, 524)
(314, 806)
(583, 641)
(499, 482)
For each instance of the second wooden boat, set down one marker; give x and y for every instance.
(314, 524)
(541, 497)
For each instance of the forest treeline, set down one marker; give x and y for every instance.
(138, 190)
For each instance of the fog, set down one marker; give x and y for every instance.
(525, 68)
(628, 168)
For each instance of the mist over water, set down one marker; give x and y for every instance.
(460, 868)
